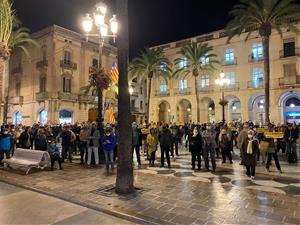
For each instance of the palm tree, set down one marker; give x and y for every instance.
(195, 58)
(12, 36)
(263, 16)
(150, 63)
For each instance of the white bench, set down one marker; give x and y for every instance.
(28, 159)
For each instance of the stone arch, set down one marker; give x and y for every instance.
(289, 104)
(233, 108)
(207, 106)
(164, 110)
(256, 106)
(183, 111)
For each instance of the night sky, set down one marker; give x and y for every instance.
(151, 22)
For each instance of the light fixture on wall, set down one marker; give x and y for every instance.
(292, 105)
(234, 107)
(210, 108)
(169, 110)
(188, 109)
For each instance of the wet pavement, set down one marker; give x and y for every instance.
(177, 195)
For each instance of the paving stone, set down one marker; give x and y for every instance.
(183, 220)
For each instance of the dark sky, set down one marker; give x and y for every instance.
(151, 22)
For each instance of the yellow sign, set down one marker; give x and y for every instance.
(275, 135)
(179, 124)
(232, 128)
(145, 131)
(262, 130)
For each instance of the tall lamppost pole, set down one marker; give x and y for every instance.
(102, 32)
(222, 81)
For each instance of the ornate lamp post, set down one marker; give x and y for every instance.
(222, 81)
(102, 32)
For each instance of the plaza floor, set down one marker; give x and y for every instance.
(174, 196)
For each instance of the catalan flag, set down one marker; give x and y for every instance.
(111, 117)
(115, 73)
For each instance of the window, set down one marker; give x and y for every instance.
(141, 105)
(289, 69)
(183, 63)
(163, 66)
(289, 47)
(229, 56)
(141, 90)
(257, 51)
(67, 85)
(163, 87)
(18, 118)
(18, 88)
(42, 84)
(257, 78)
(132, 103)
(95, 63)
(204, 81)
(44, 53)
(231, 77)
(204, 60)
(43, 116)
(67, 57)
(182, 84)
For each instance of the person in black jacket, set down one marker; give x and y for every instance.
(166, 142)
(195, 147)
(40, 141)
(291, 136)
(24, 139)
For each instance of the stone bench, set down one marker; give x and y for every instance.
(28, 159)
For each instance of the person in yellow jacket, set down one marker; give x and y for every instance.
(152, 142)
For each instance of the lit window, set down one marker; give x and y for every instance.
(205, 81)
(182, 84)
(257, 78)
(18, 118)
(257, 51)
(67, 57)
(163, 66)
(67, 85)
(229, 56)
(163, 87)
(231, 77)
(204, 60)
(183, 63)
(43, 116)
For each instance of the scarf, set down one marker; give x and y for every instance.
(249, 147)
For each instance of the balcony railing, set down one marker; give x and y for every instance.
(285, 54)
(229, 63)
(134, 109)
(17, 100)
(42, 96)
(42, 64)
(87, 98)
(289, 81)
(231, 87)
(68, 65)
(206, 89)
(135, 94)
(67, 96)
(252, 59)
(184, 91)
(255, 84)
(162, 93)
(17, 70)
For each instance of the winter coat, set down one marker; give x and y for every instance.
(53, 150)
(136, 137)
(242, 138)
(293, 134)
(40, 142)
(109, 143)
(195, 144)
(209, 139)
(165, 138)
(249, 159)
(224, 141)
(24, 140)
(94, 137)
(6, 142)
(152, 142)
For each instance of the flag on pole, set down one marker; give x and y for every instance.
(111, 116)
(115, 73)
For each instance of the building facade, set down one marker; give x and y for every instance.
(242, 62)
(46, 87)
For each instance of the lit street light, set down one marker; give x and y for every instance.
(222, 81)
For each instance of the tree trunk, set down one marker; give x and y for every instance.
(2, 65)
(124, 180)
(197, 100)
(148, 99)
(266, 43)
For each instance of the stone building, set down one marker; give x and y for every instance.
(242, 63)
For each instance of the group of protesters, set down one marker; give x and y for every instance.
(206, 141)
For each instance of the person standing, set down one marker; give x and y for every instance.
(24, 139)
(40, 141)
(83, 143)
(93, 145)
(249, 155)
(209, 147)
(152, 142)
(165, 139)
(291, 136)
(225, 144)
(6, 142)
(272, 154)
(109, 142)
(136, 142)
(54, 153)
(195, 147)
(66, 139)
(243, 138)
(175, 139)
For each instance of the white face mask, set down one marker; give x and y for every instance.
(208, 127)
(250, 136)
(195, 132)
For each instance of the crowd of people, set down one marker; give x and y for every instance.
(206, 141)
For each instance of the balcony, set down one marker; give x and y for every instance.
(162, 93)
(184, 91)
(284, 55)
(67, 96)
(252, 59)
(42, 64)
(206, 89)
(18, 69)
(42, 96)
(231, 87)
(229, 63)
(68, 65)
(289, 81)
(135, 94)
(134, 109)
(87, 99)
(17, 100)
(255, 84)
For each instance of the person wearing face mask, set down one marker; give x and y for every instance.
(54, 153)
(109, 142)
(225, 145)
(243, 138)
(250, 150)
(152, 142)
(93, 145)
(5, 145)
(291, 136)
(165, 140)
(136, 141)
(209, 147)
(195, 147)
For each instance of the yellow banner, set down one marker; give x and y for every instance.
(262, 130)
(145, 131)
(275, 135)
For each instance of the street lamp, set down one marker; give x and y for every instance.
(131, 90)
(102, 32)
(222, 81)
